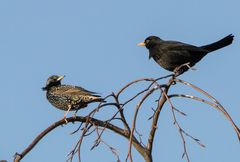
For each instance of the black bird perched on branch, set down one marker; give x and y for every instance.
(68, 97)
(177, 56)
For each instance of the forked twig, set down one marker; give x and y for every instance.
(134, 121)
(180, 130)
(220, 107)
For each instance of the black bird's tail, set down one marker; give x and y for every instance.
(219, 44)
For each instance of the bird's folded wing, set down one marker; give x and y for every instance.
(74, 91)
(179, 46)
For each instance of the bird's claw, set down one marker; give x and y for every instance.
(75, 115)
(65, 119)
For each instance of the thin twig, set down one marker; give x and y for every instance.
(100, 123)
(134, 121)
(180, 130)
(221, 108)
(161, 102)
(113, 150)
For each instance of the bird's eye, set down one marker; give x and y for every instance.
(147, 41)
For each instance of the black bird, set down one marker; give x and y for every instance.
(173, 55)
(68, 97)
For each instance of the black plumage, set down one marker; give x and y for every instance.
(68, 97)
(172, 54)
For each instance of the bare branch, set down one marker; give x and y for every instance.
(120, 110)
(99, 139)
(161, 102)
(142, 79)
(97, 122)
(90, 124)
(134, 121)
(180, 130)
(221, 108)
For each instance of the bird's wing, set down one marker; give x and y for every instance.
(86, 91)
(187, 52)
(182, 47)
(74, 91)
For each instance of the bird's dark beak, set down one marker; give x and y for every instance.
(141, 44)
(60, 78)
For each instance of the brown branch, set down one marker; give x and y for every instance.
(147, 154)
(193, 138)
(197, 99)
(116, 96)
(153, 81)
(79, 143)
(129, 84)
(180, 130)
(99, 139)
(97, 122)
(128, 131)
(120, 110)
(204, 101)
(221, 108)
(86, 128)
(134, 122)
(142, 79)
(161, 102)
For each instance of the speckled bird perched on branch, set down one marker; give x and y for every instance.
(172, 54)
(68, 97)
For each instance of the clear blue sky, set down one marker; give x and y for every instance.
(93, 43)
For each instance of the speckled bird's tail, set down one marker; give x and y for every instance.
(96, 98)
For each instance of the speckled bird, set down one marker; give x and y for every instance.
(68, 97)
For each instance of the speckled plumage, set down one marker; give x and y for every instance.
(68, 97)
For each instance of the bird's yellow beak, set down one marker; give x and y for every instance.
(141, 44)
(61, 77)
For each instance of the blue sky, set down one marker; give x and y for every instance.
(93, 43)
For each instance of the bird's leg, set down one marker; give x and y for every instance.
(75, 114)
(65, 115)
(190, 67)
(179, 70)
